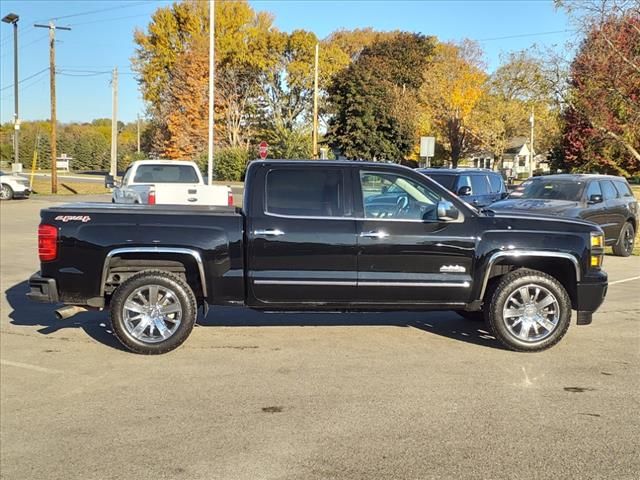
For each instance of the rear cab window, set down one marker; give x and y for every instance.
(166, 174)
(306, 192)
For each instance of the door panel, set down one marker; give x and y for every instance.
(302, 248)
(405, 255)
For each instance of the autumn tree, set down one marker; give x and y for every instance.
(176, 39)
(375, 98)
(453, 85)
(602, 118)
(518, 88)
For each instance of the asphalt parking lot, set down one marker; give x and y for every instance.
(314, 396)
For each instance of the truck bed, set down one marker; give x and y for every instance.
(90, 232)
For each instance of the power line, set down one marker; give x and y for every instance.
(105, 20)
(91, 12)
(27, 78)
(61, 72)
(522, 35)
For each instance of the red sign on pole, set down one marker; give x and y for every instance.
(263, 149)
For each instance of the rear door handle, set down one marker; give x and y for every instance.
(270, 232)
(374, 234)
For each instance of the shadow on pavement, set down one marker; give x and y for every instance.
(96, 324)
(31, 314)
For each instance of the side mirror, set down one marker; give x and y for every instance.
(385, 189)
(447, 211)
(109, 182)
(595, 199)
(464, 191)
(504, 195)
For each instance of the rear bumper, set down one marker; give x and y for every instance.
(42, 290)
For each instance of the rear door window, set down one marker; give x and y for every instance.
(305, 192)
(479, 185)
(608, 190)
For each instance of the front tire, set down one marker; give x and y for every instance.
(6, 192)
(529, 311)
(153, 312)
(624, 246)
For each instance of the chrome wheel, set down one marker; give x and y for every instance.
(152, 313)
(531, 313)
(5, 192)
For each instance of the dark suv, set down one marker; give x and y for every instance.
(476, 186)
(602, 199)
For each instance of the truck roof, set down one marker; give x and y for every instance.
(324, 163)
(161, 162)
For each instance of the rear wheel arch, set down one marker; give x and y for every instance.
(121, 264)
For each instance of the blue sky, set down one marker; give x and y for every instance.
(101, 40)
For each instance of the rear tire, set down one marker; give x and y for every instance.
(153, 312)
(624, 246)
(6, 192)
(529, 311)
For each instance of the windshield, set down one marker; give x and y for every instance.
(549, 190)
(447, 181)
(165, 174)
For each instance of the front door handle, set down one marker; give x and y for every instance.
(271, 232)
(374, 234)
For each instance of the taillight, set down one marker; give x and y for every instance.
(47, 243)
(230, 198)
(152, 197)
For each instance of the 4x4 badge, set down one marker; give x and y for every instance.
(73, 218)
(452, 269)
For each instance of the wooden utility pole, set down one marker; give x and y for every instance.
(52, 80)
(114, 123)
(315, 106)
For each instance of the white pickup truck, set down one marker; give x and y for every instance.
(166, 182)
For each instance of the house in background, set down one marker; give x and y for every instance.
(517, 157)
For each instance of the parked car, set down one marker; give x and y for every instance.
(167, 182)
(602, 199)
(477, 186)
(307, 238)
(13, 186)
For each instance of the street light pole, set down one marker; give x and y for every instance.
(12, 18)
(212, 65)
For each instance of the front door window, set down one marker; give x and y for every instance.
(388, 196)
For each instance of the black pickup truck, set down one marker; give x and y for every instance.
(315, 235)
